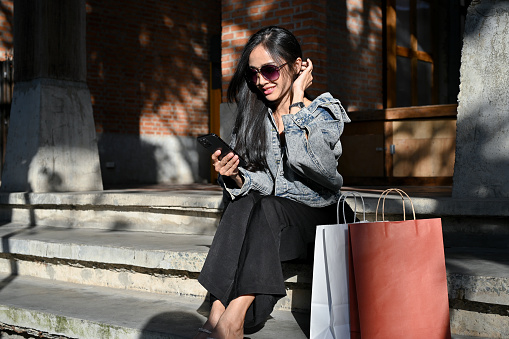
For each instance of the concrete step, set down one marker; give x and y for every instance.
(174, 211)
(156, 241)
(168, 265)
(478, 285)
(38, 308)
(161, 263)
(466, 222)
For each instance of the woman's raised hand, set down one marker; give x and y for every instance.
(227, 166)
(305, 78)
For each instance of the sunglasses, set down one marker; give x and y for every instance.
(269, 72)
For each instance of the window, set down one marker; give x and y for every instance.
(411, 141)
(424, 39)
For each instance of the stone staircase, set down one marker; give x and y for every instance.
(124, 264)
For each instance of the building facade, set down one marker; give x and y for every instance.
(158, 71)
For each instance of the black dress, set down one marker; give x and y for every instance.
(256, 233)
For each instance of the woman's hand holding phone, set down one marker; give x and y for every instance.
(227, 166)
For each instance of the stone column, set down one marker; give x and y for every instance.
(52, 142)
(482, 143)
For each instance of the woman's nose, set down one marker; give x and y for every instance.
(260, 79)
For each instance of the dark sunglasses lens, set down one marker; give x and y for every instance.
(270, 72)
(251, 75)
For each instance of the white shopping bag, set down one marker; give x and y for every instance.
(330, 314)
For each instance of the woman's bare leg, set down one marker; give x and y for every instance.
(216, 312)
(231, 323)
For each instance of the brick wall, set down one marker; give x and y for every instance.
(342, 38)
(141, 54)
(148, 65)
(355, 41)
(305, 18)
(6, 23)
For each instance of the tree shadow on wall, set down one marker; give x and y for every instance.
(148, 74)
(356, 40)
(430, 155)
(352, 54)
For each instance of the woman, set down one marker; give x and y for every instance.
(290, 184)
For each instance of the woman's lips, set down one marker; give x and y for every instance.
(268, 90)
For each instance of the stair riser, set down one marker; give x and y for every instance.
(180, 283)
(155, 220)
(487, 290)
(175, 283)
(479, 324)
(468, 231)
(459, 231)
(71, 327)
(489, 232)
(98, 254)
(464, 231)
(463, 322)
(197, 212)
(115, 278)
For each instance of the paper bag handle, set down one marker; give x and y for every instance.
(355, 195)
(384, 195)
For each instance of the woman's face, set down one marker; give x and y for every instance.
(274, 91)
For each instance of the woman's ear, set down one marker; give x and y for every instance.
(297, 66)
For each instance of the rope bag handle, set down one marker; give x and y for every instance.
(343, 198)
(402, 194)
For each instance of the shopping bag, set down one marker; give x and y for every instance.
(400, 283)
(329, 294)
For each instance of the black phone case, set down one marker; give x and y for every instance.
(212, 142)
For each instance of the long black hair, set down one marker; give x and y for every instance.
(249, 130)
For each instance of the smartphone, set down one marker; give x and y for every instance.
(212, 142)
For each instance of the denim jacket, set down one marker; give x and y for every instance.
(305, 169)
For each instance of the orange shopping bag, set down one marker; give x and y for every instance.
(398, 282)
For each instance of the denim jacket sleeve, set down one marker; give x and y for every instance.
(260, 181)
(312, 139)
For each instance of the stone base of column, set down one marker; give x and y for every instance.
(52, 144)
(482, 143)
